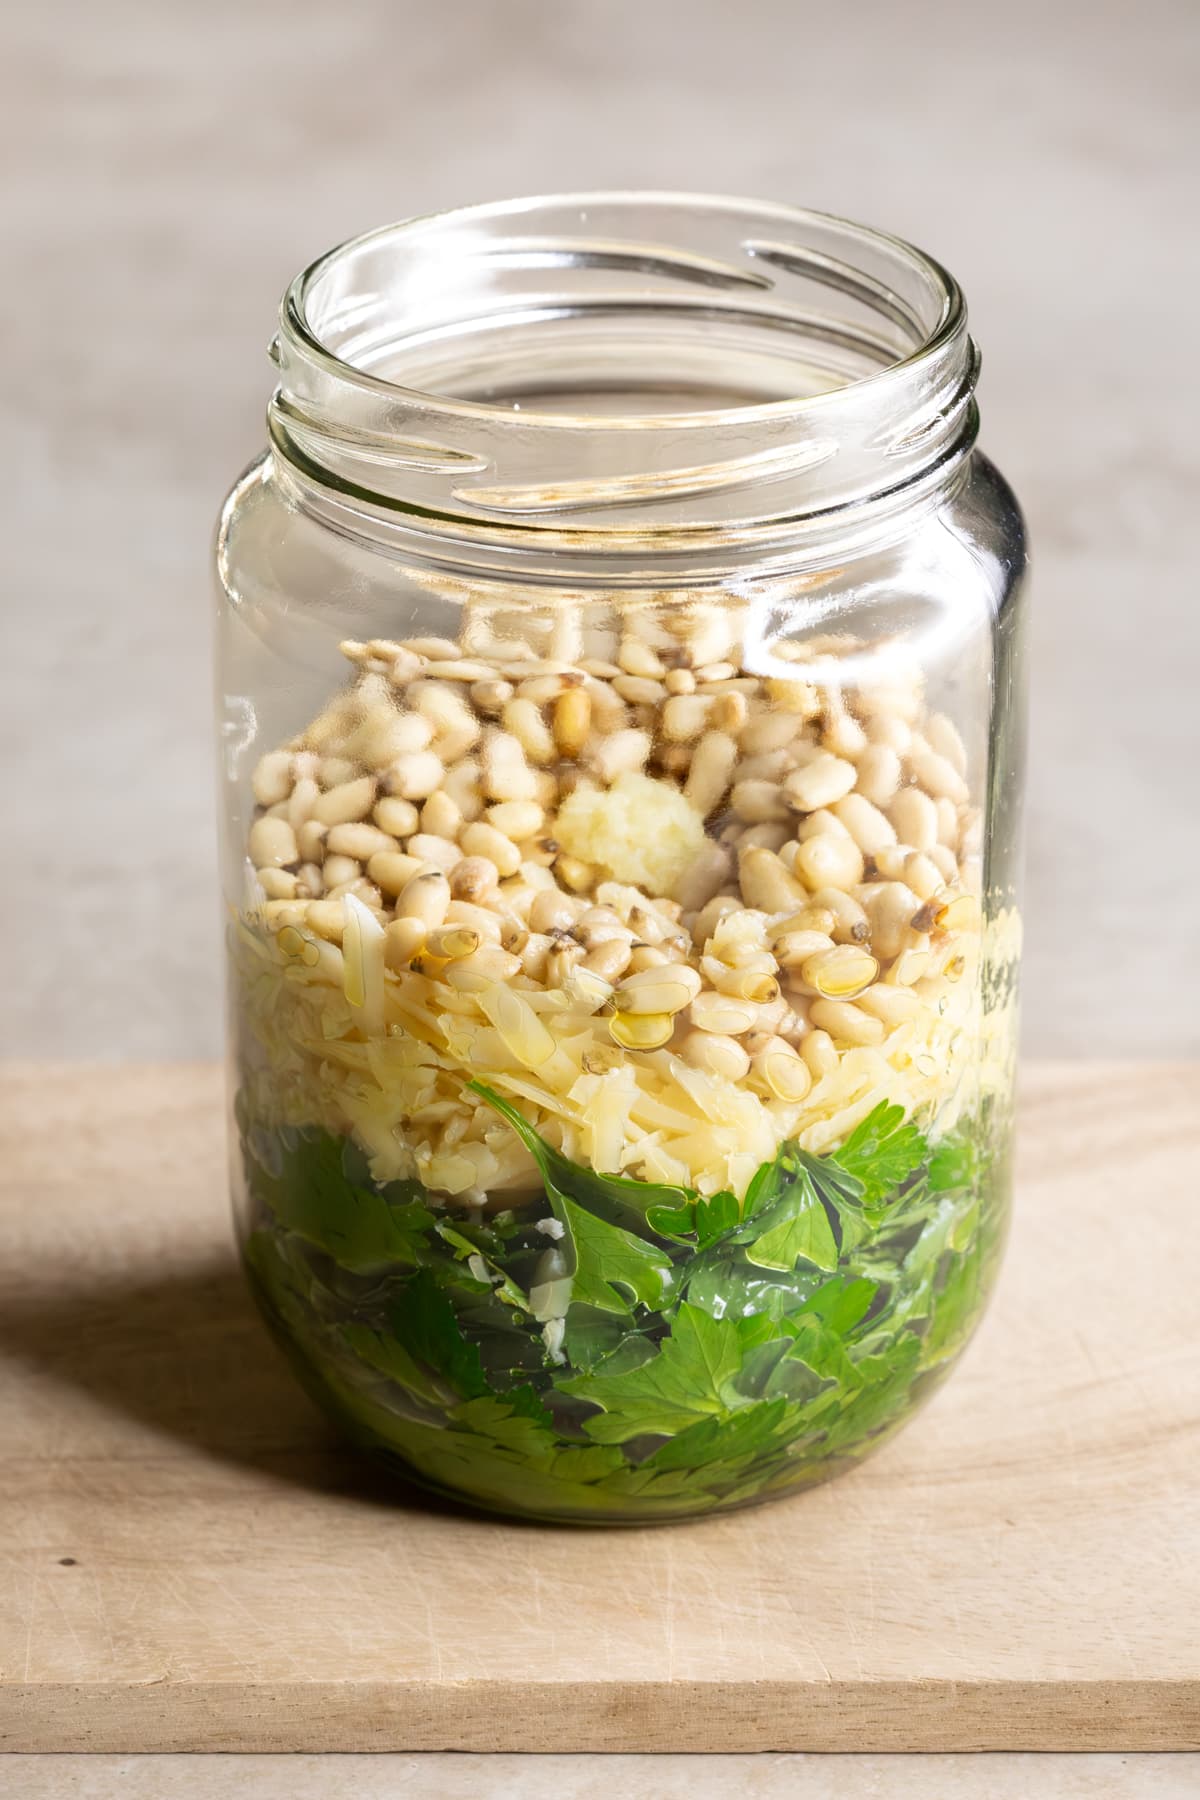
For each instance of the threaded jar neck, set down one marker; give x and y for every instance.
(647, 379)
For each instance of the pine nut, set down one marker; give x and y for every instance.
(820, 782)
(523, 721)
(426, 898)
(886, 729)
(334, 771)
(889, 906)
(716, 1055)
(649, 980)
(348, 802)
(399, 818)
(637, 658)
(959, 914)
(915, 818)
(797, 697)
(609, 959)
(666, 997)
(712, 767)
(771, 766)
(415, 776)
(729, 711)
(272, 844)
(755, 985)
(621, 753)
(840, 973)
(679, 681)
(463, 669)
(572, 719)
(936, 774)
(831, 859)
(638, 691)
(782, 1070)
(947, 814)
(517, 819)
(647, 956)
(490, 696)
(708, 872)
(310, 837)
(683, 717)
(768, 731)
(474, 878)
(723, 1014)
(641, 1031)
(766, 884)
(818, 1051)
(910, 966)
(554, 911)
(758, 801)
(440, 816)
(878, 774)
(870, 828)
(482, 969)
(271, 781)
(892, 1005)
(480, 839)
(462, 786)
(922, 875)
(339, 871)
(434, 649)
(410, 733)
(850, 925)
(793, 948)
(442, 852)
(278, 884)
(845, 1023)
(540, 689)
(456, 729)
(943, 861)
(943, 737)
(450, 942)
(405, 667)
(327, 918)
(843, 735)
(504, 773)
(301, 803)
(360, 841)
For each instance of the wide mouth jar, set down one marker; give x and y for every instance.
(620, 676)
(634, 375)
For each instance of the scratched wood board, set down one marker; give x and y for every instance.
(191, 1561)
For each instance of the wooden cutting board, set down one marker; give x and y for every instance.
(191, 1562)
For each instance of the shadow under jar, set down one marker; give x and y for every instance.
(620, 671)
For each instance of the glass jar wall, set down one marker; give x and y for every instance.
(621, 705)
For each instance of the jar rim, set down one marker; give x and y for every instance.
(431, 371)
(294, 319)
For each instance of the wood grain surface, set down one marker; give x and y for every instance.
(191, 1562)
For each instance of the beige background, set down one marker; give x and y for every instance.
(171, 165)
(175, 164)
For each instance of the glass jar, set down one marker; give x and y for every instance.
(620, 660)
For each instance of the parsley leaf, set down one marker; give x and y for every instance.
(690, 1378)
(613, 1270)
(882, 1152)
(312, 1192)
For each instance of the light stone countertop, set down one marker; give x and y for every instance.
(176, 165)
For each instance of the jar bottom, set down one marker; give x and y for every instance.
(397, 1367)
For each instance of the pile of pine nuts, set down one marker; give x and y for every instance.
(833, 894)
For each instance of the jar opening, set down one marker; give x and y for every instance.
(619, 364)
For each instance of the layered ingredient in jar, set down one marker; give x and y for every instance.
(618, 953)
